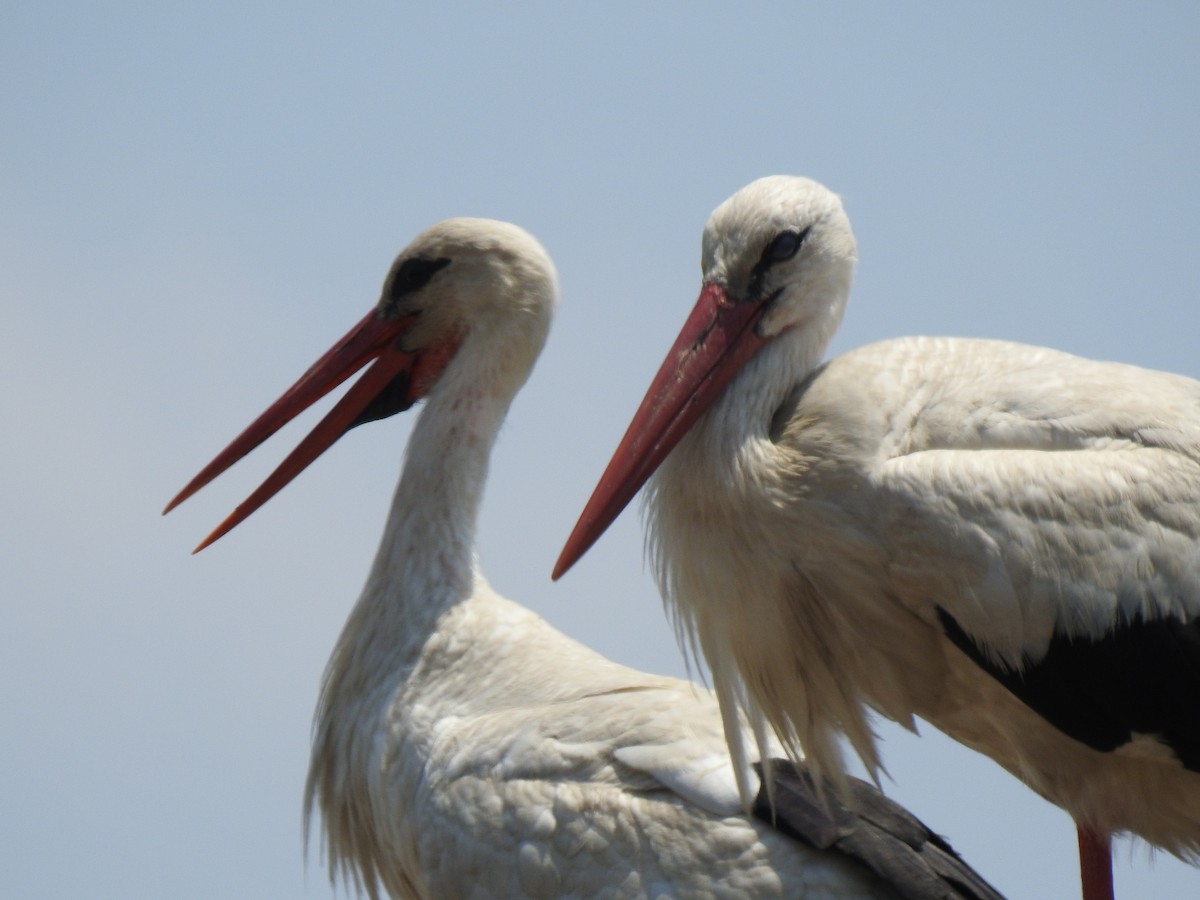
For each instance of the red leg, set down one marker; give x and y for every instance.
(1095, 864)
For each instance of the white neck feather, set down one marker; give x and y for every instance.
(424, 568)
(426, 561)
(742, 416)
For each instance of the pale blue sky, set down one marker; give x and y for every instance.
(194, 203)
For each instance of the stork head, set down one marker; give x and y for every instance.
(777, 261)
(459, 284)
(782, 245)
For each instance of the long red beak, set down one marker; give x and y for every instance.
(394, 382)
(716, 341)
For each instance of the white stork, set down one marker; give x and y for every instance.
(1001, 539)
(463, 747)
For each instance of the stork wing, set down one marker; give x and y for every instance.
(876, 831)
(1029, 493)
(1049, 508)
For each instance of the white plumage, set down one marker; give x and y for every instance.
(463, 747)
(1001, 539)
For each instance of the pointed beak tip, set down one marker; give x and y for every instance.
(572, 551)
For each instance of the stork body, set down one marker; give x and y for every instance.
(463, 747)
(1001, 539)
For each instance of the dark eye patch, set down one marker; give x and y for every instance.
(413, 274)
(783, 247)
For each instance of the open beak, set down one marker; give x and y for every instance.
(391, 385)
(717, 339)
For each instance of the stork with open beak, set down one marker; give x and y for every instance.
(1001, 539)
(463, 747)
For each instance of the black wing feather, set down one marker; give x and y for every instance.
(880, 833)
(1143, 677)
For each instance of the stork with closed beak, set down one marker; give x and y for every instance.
(1001, 539)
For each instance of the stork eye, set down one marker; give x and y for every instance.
(785, 245)
(414, 274)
